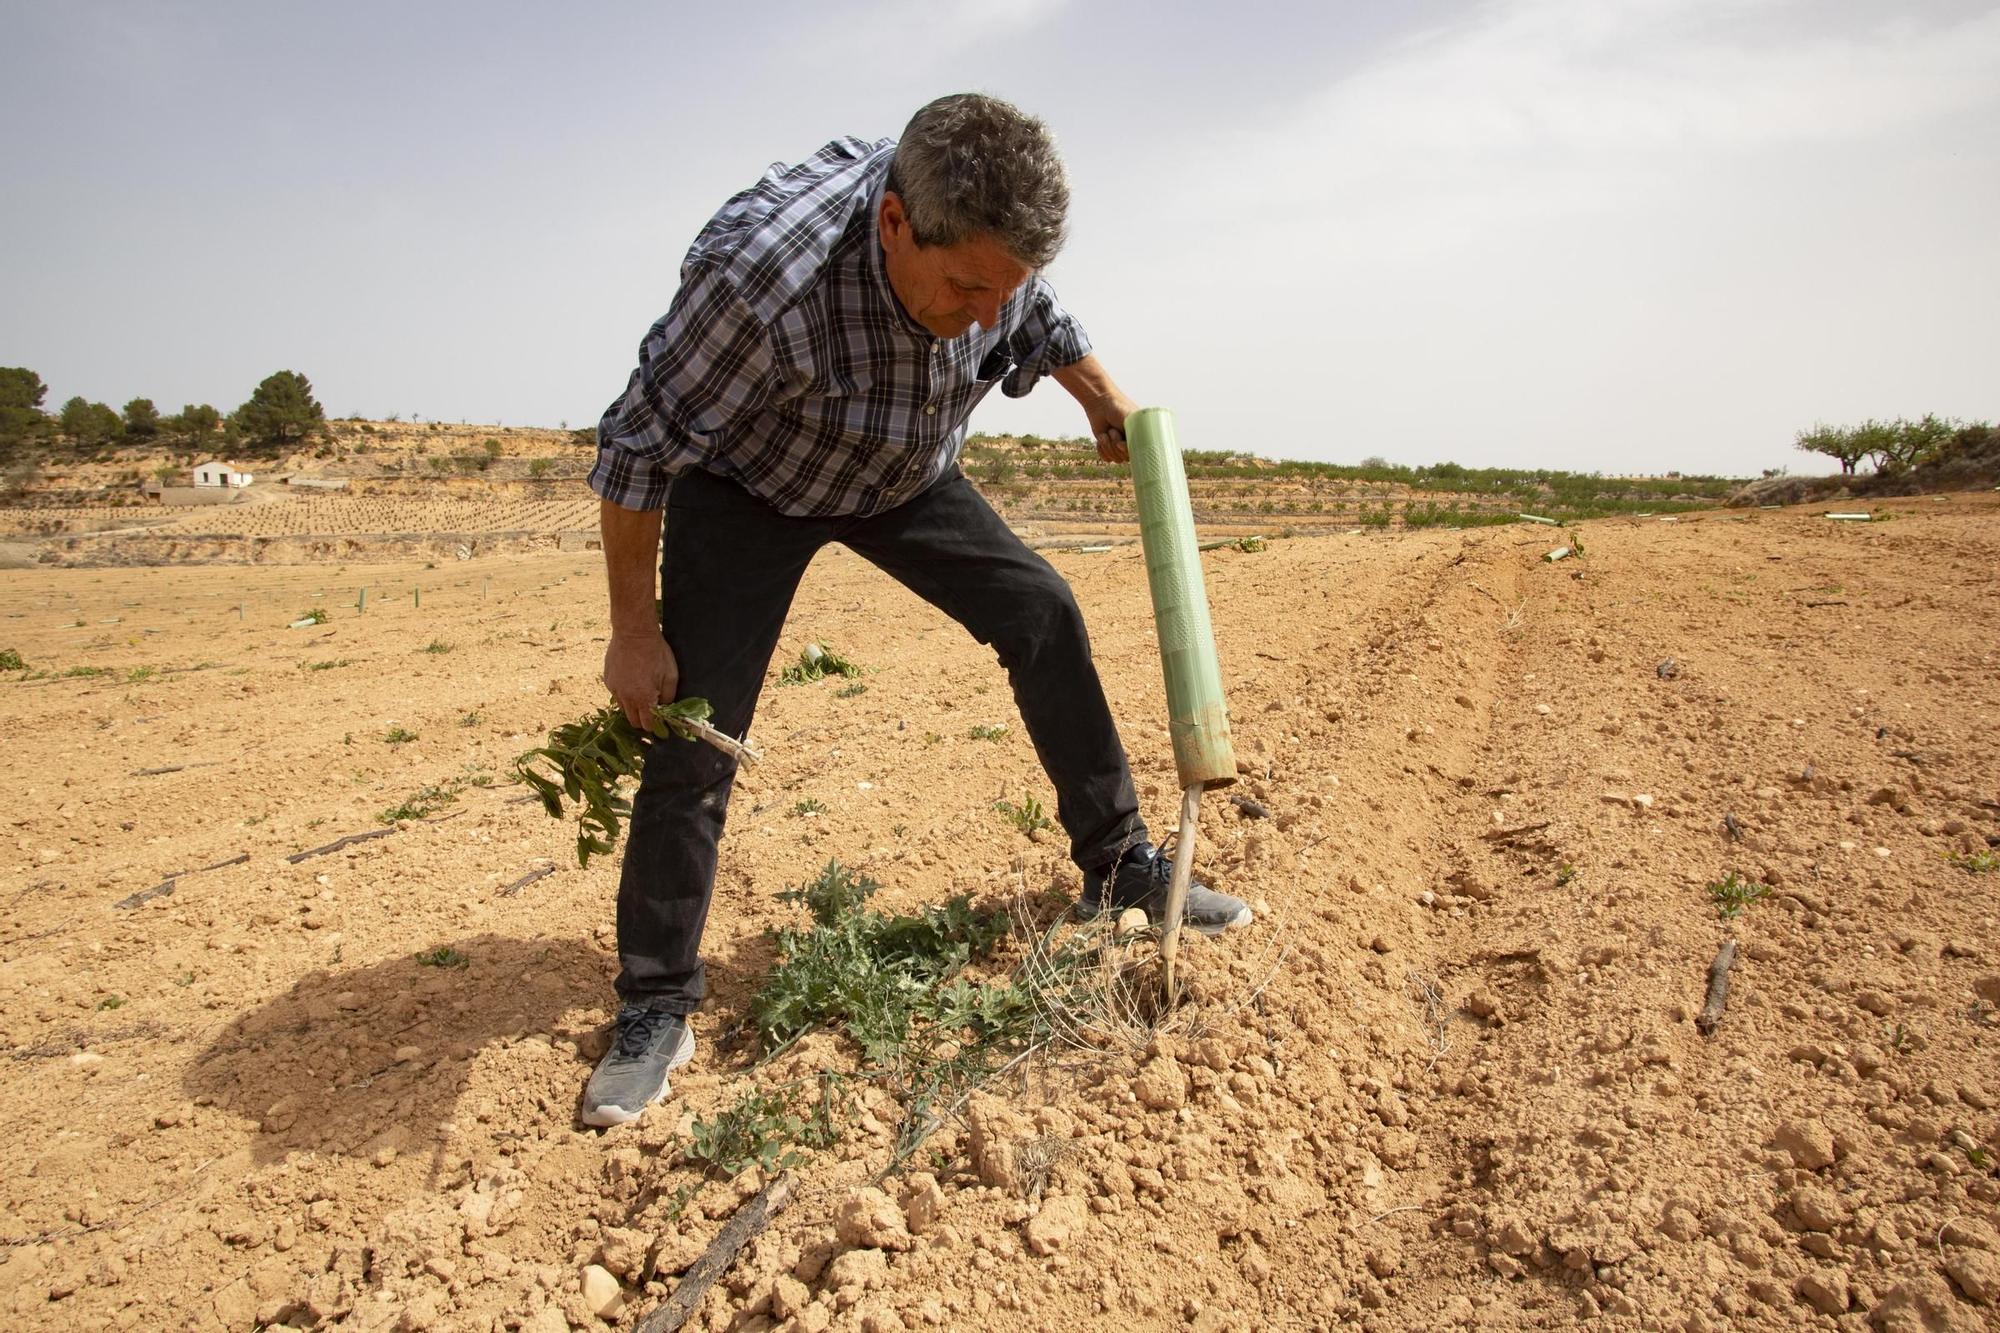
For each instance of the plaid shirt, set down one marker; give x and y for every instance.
(787, 364)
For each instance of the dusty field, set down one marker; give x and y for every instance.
(248, 1101)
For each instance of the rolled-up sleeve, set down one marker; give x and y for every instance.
(1049, 338)
(704, 367)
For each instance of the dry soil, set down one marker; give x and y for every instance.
(1450, 1078)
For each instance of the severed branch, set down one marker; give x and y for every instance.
(175, 768)
(539, 872)
(1718, 988)
(1508, 835)
(353, 838)
(750, 1219)
(165, 887)
(339, 843)
(721, 740)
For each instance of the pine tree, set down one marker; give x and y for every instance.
(281, 411)
(142, 419)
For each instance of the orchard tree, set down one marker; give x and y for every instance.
(281, 411)
(1891, 446)
(1845, 446)
(142, 419)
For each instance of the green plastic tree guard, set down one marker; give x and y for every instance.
(1197, 714)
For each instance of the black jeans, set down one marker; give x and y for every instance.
(729, 567)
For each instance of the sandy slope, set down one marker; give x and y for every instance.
(248, 1100)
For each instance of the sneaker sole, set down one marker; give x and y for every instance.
(1242, 918)
(604, 1117)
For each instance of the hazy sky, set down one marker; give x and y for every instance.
(1625, 235)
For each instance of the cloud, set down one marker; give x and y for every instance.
(1542, 107)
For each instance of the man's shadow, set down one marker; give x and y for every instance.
(362, 1060)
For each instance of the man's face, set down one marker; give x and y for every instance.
(947, 288)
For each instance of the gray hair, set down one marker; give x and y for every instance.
(969, 164)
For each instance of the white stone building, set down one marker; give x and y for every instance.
(220, 474)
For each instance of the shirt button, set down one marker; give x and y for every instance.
(930, 409)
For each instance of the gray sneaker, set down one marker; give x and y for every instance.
(1141, 880)
(647, 1044)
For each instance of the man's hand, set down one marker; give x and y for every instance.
(1103, 403)
(639, 668)
(640, 671)
(1107, 425)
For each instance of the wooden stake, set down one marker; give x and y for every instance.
(1177, 887)
(750, 1219)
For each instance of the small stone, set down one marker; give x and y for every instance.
(548, 1319)
(1642, 801)
(1977, 1274)
(1809, 1142)
(1131, 922)
(923, 1202)
(1679, 1222)
(1921, 1303)
(673, 1253)
(1972, 1235)
(1483, 1004)
(601, 1293)
(1514, 1238)
(1875, 1002)
(405, 1054)
(858, 1268)
(1161, 1086)
(1825, 1289)
(622, 1253)
(881, 1321)
(1061, 1218)
(1817, 1209)
(789, 1297)
(868, 1219)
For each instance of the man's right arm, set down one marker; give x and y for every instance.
(704, 366)
(639, 667)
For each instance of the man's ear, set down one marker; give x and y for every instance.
(893, 218)
(894, 223)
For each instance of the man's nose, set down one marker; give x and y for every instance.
(986, 309)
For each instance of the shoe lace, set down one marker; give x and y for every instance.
(637, 1028)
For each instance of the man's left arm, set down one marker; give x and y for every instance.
(1050, 341)
(1102, 401)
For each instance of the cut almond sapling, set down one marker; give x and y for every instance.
(586, 759)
